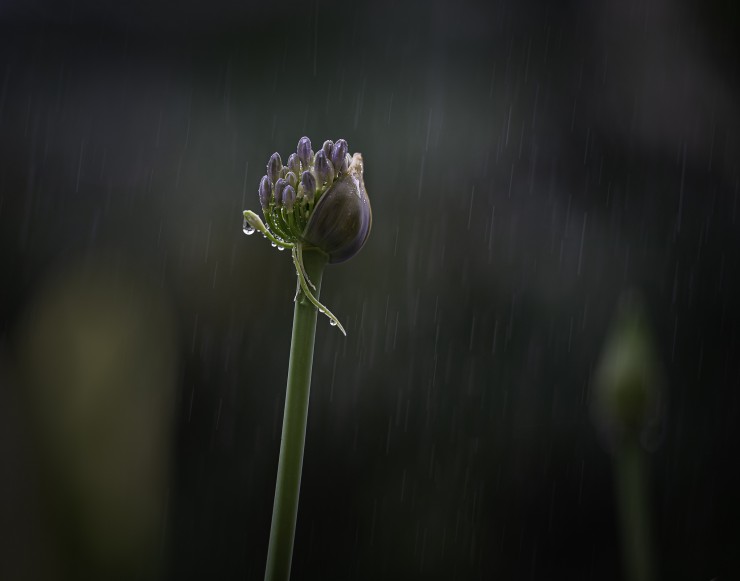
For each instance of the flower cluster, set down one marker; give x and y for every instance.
(316, 201)
(289, 193)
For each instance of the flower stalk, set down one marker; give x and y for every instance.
(295, 416)
(315, 206)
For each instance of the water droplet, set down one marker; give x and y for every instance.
(274, 245)
(281, 248)
(332, 322)
(247, 228)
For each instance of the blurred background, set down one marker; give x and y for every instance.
(527, 163)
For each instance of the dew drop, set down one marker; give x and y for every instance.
(247, 228)
(273, 244)
(332, 322)
(281, 248)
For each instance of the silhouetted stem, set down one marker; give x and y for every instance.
(288, 486)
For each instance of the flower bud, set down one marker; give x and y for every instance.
(265, 191)
(628, 379)
(288, 197)
(309, 185)
(294, 164)
(291, 178)
(327, 147)
(338, 155)
(304, 150)
(279, 189)
(324, 169)
(274, 166)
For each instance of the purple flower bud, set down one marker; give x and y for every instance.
(265, 191)
(274, 166)
(338, 154)
(288, 197)
(294, 164)
(304, 150)
(324, 169)
(309, 185)
(327, 147)
(279, 190)
(291, 178)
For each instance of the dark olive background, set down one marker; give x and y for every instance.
(527, 162)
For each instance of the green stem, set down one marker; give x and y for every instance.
(633, 508)
(287, 488)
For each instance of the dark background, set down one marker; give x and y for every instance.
(527, 162)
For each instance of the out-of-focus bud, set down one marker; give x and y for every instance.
(324, 169)
(288, 197)
(628, 380)
(274, 166)
(338, 155)
(265, 191)
(304, 150)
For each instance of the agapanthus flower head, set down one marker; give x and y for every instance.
(327, 209)
(329, 173)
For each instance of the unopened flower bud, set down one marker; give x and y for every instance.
(279, 189)
(291, 178)
(265, 191)
(338, 154)
(304, 150)
(327, 147)
(628, 379)
(324, 169)
(309, 185)
(274, 166)
(294, 164)
(288, 197)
